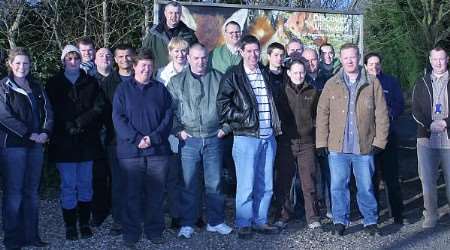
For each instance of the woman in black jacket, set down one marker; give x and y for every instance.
(26, 120)
(78, 104)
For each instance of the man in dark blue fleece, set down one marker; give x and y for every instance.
(386, 163)
(142, 118)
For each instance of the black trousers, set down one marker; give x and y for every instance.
(386, 168)
(101, 184)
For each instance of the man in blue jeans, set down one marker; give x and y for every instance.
(430, 109)
(246, 102)
(194, 93)
(352, 125)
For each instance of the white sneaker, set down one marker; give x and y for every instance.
(314, 225)
(221, 229)
(329, 215)
(186, 232)
(429, 222)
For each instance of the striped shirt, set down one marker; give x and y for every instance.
(262, 98)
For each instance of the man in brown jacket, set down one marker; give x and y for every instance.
(352, 126)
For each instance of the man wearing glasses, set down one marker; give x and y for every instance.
(227, 55)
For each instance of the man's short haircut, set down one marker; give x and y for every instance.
(437, 49)
(273, 46)
(85, 41)
(143, 54)
(197, 46)
(294, 40)
(173, 4)
(124, 46)
(371, 54)
(325, 45)
(312, 50)
(299, 60)
(177, 42)
(349, 46)
(248, 39)
(231, 23)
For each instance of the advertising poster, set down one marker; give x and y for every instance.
(270, 24)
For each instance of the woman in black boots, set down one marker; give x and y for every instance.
(75, 143)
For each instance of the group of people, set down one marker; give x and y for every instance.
(165, 125)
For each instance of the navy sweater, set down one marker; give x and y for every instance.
(138, 111)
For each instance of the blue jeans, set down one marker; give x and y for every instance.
(76, 182)
(254, 158)
(429, 160)
(194, 153)
(363, 168)
(21, 170)
(144, 181)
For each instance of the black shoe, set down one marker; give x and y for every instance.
(85, 232)
(157, 239)
(129, 245)
(398, 220)
(116, 229)
(97, 221)
(266, 229)
(175, 224)
(372, 230)
(200, 223)
(13, 248)
(245, 233)
(40, 243)
(339, 229)
(71, 233)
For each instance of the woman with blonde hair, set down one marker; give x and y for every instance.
(178, 48)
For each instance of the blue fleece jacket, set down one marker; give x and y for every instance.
(138, 111)
(393, 95)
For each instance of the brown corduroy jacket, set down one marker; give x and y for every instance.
(371, 114)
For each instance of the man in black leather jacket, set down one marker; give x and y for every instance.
(246, 101)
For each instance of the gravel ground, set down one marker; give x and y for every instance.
(409, 236)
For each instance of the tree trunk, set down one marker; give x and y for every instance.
(86, 13)
(147, 10)
(105, 23)
(12, 31)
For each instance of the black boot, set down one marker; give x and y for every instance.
(70, 219)
(84, 213)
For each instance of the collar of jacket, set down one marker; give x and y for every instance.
(364, 78)
(264, 73)
(113, 76)
(161, 27)
(82, 79)
(34, 86)
(428, 82)
(304, 86)
(151, 83)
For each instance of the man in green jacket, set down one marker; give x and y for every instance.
(159, 35)
(196, 123)
(227, 55)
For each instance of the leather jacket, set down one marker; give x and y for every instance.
(237, 105)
